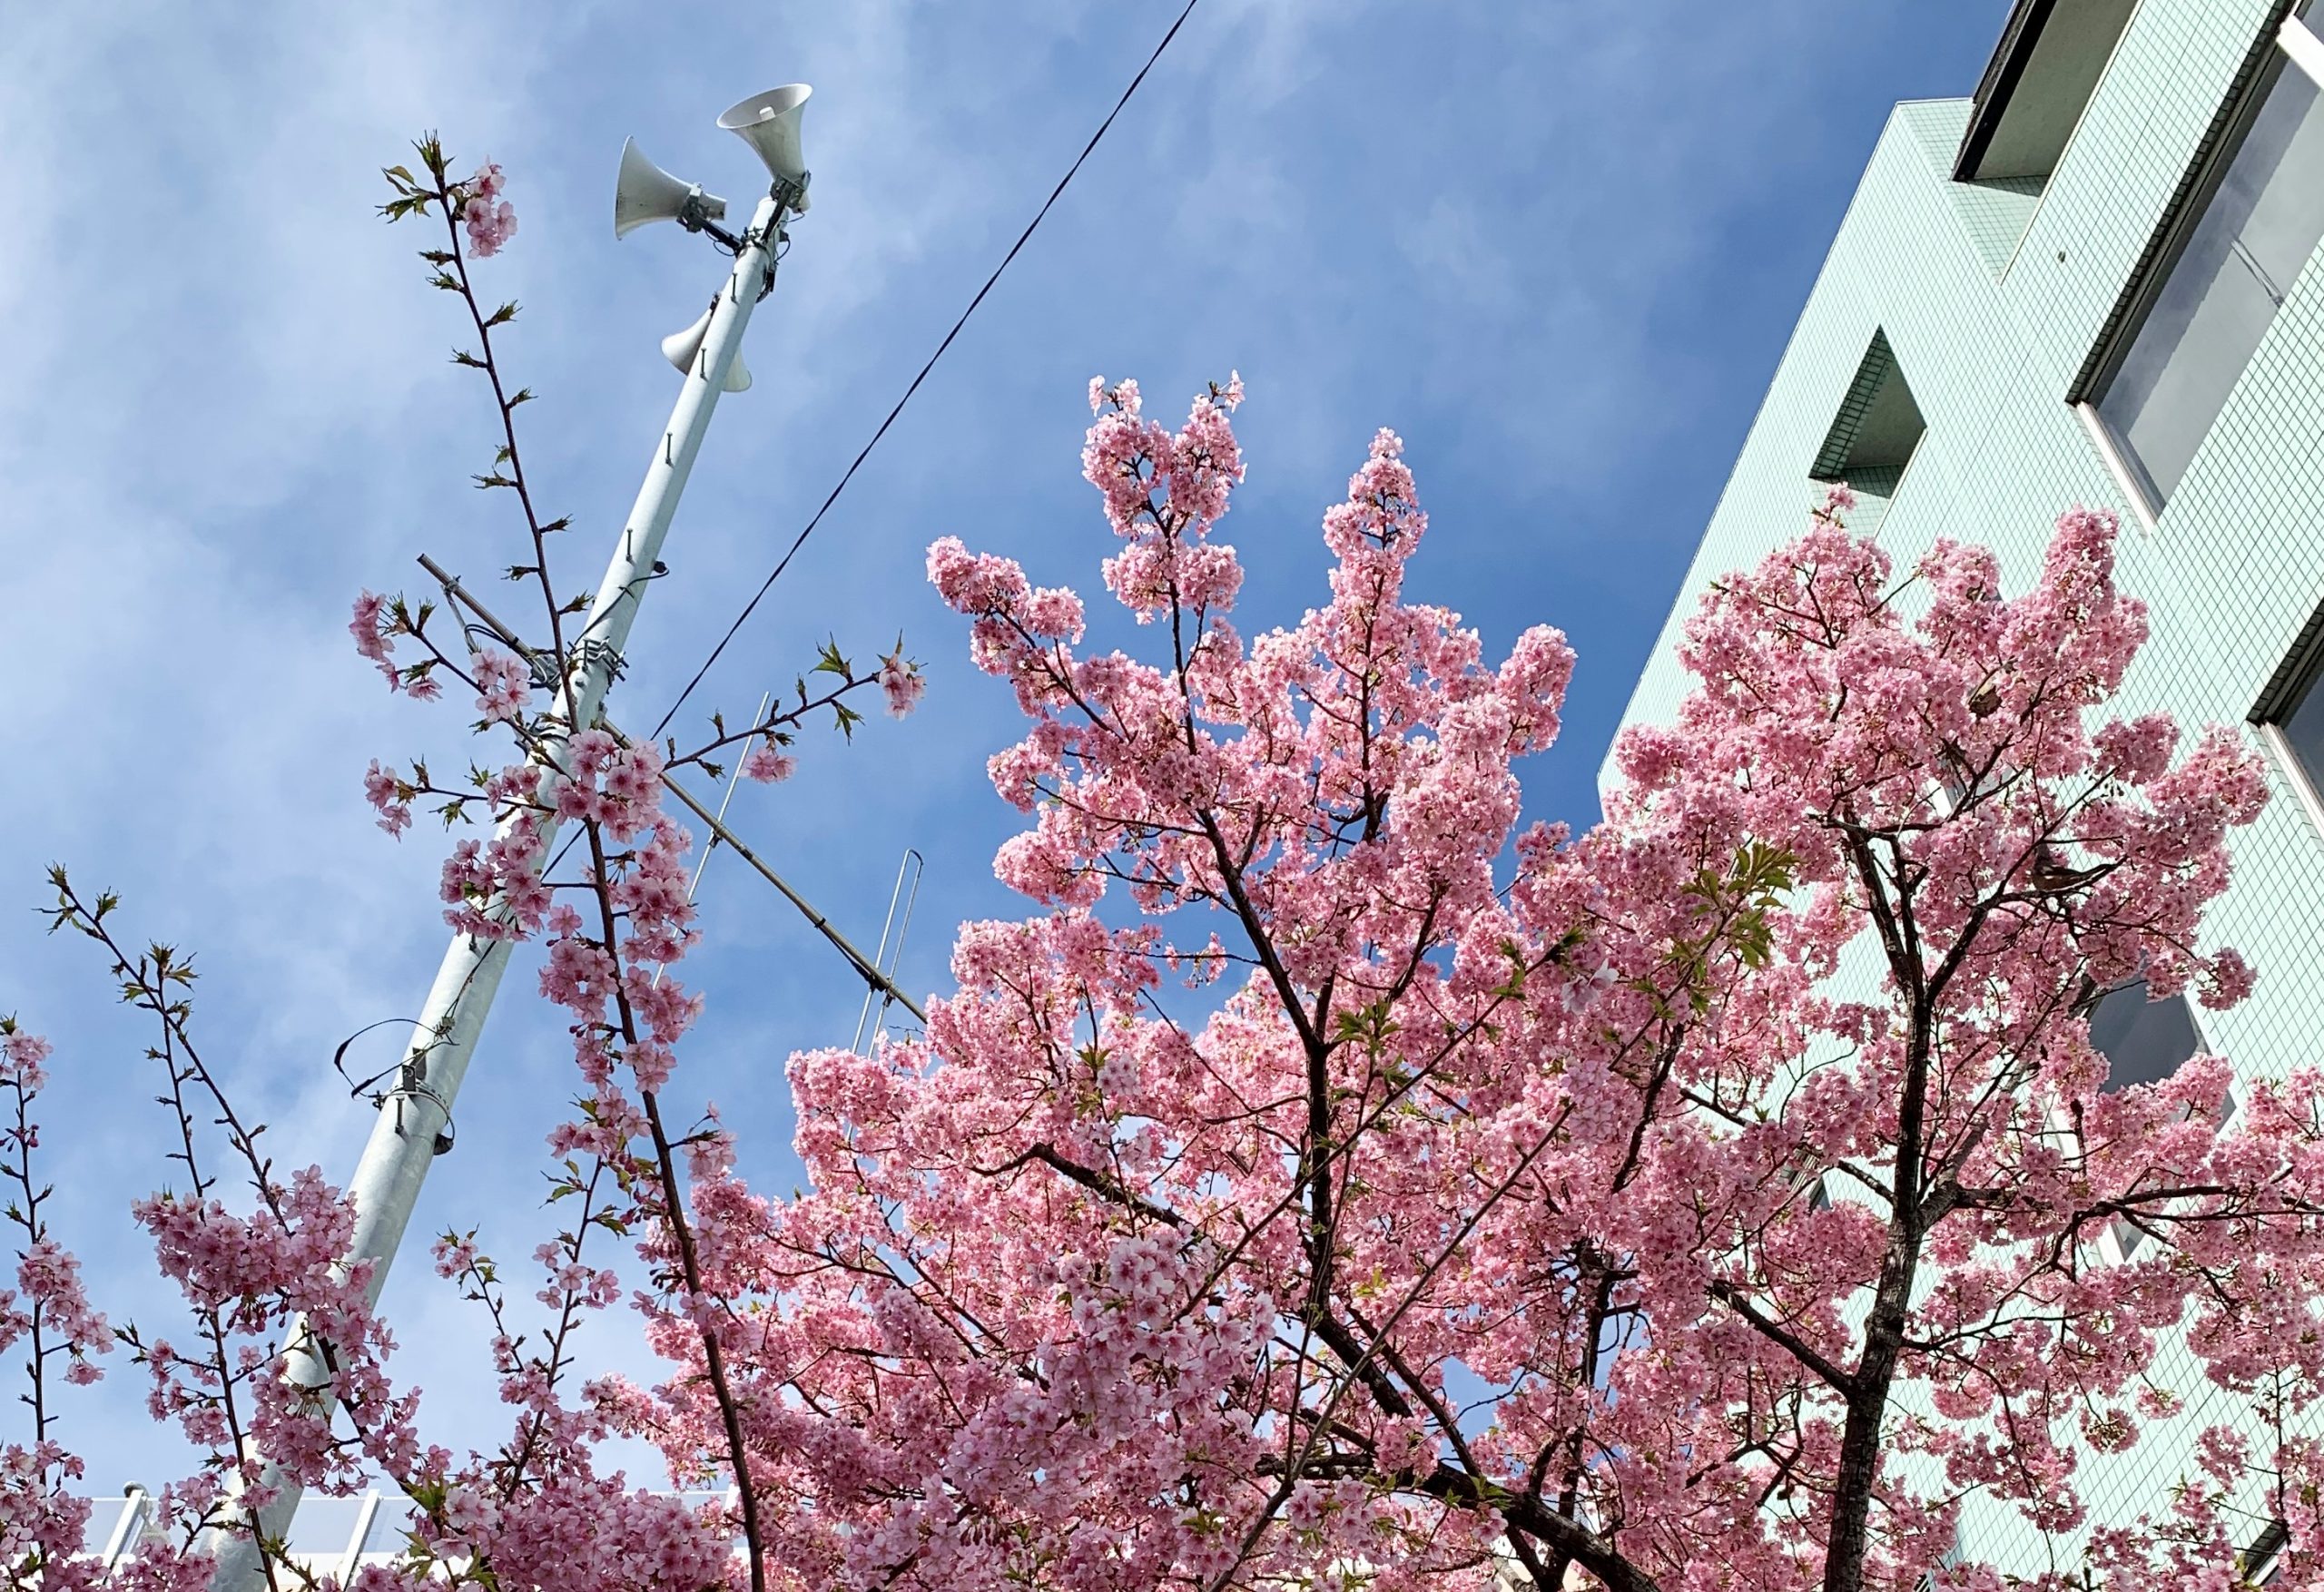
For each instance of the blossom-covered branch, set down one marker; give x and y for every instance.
(1561, 1218)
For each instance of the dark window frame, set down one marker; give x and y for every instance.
(2299, 674)
(1865, 446)
(2261, 1563)
(2264, 62)
(2303, 663)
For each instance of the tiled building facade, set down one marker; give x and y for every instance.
(2097, 282)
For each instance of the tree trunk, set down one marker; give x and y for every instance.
(1868, 1403)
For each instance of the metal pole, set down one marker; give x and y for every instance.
(404, 1138)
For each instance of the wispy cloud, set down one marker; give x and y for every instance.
(1557, 245)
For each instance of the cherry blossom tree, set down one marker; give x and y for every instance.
(1330, 1182)
(1520, 1206)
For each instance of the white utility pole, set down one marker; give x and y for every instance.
(414, 1119)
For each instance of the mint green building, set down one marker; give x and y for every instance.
(2096, 281)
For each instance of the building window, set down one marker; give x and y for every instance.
(2042, 74)
(2292, 708)
(2142, 1040)
(2263, 1562)
(1872, 439)
(2251, 213)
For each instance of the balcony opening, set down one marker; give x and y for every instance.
(2036, 88)
(1872, 436)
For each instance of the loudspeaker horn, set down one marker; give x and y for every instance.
(681, 347)
(646, 192)
(768, 124)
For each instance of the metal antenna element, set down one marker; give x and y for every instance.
(702, 864)
(863, 965)
(766, 700)
(869, 970)
(885, 960)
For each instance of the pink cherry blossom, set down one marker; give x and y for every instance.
(901, 685)
(386, 792)
(767, 762)
(370, 627)
(489, 220)
(1715, 1198)
(1087, 1290)
(503, 685)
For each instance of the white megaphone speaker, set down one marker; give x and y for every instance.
(768, 124)
(681, 348)
(646, 192)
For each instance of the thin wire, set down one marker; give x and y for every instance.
(1022, 239)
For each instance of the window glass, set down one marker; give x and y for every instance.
(105, 1519)
(2143, 1041)
(2257, 231)
(324, 1527)
(392, 1526)
(2303, 726)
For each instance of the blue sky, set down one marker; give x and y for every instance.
(1559, 246)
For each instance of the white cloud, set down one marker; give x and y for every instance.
(229, 410)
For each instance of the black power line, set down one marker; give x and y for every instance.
(1022, 239)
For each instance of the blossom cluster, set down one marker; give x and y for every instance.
(489, 220)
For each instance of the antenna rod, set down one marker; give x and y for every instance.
(883, 957)
(415, 1113)
(868, 969)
